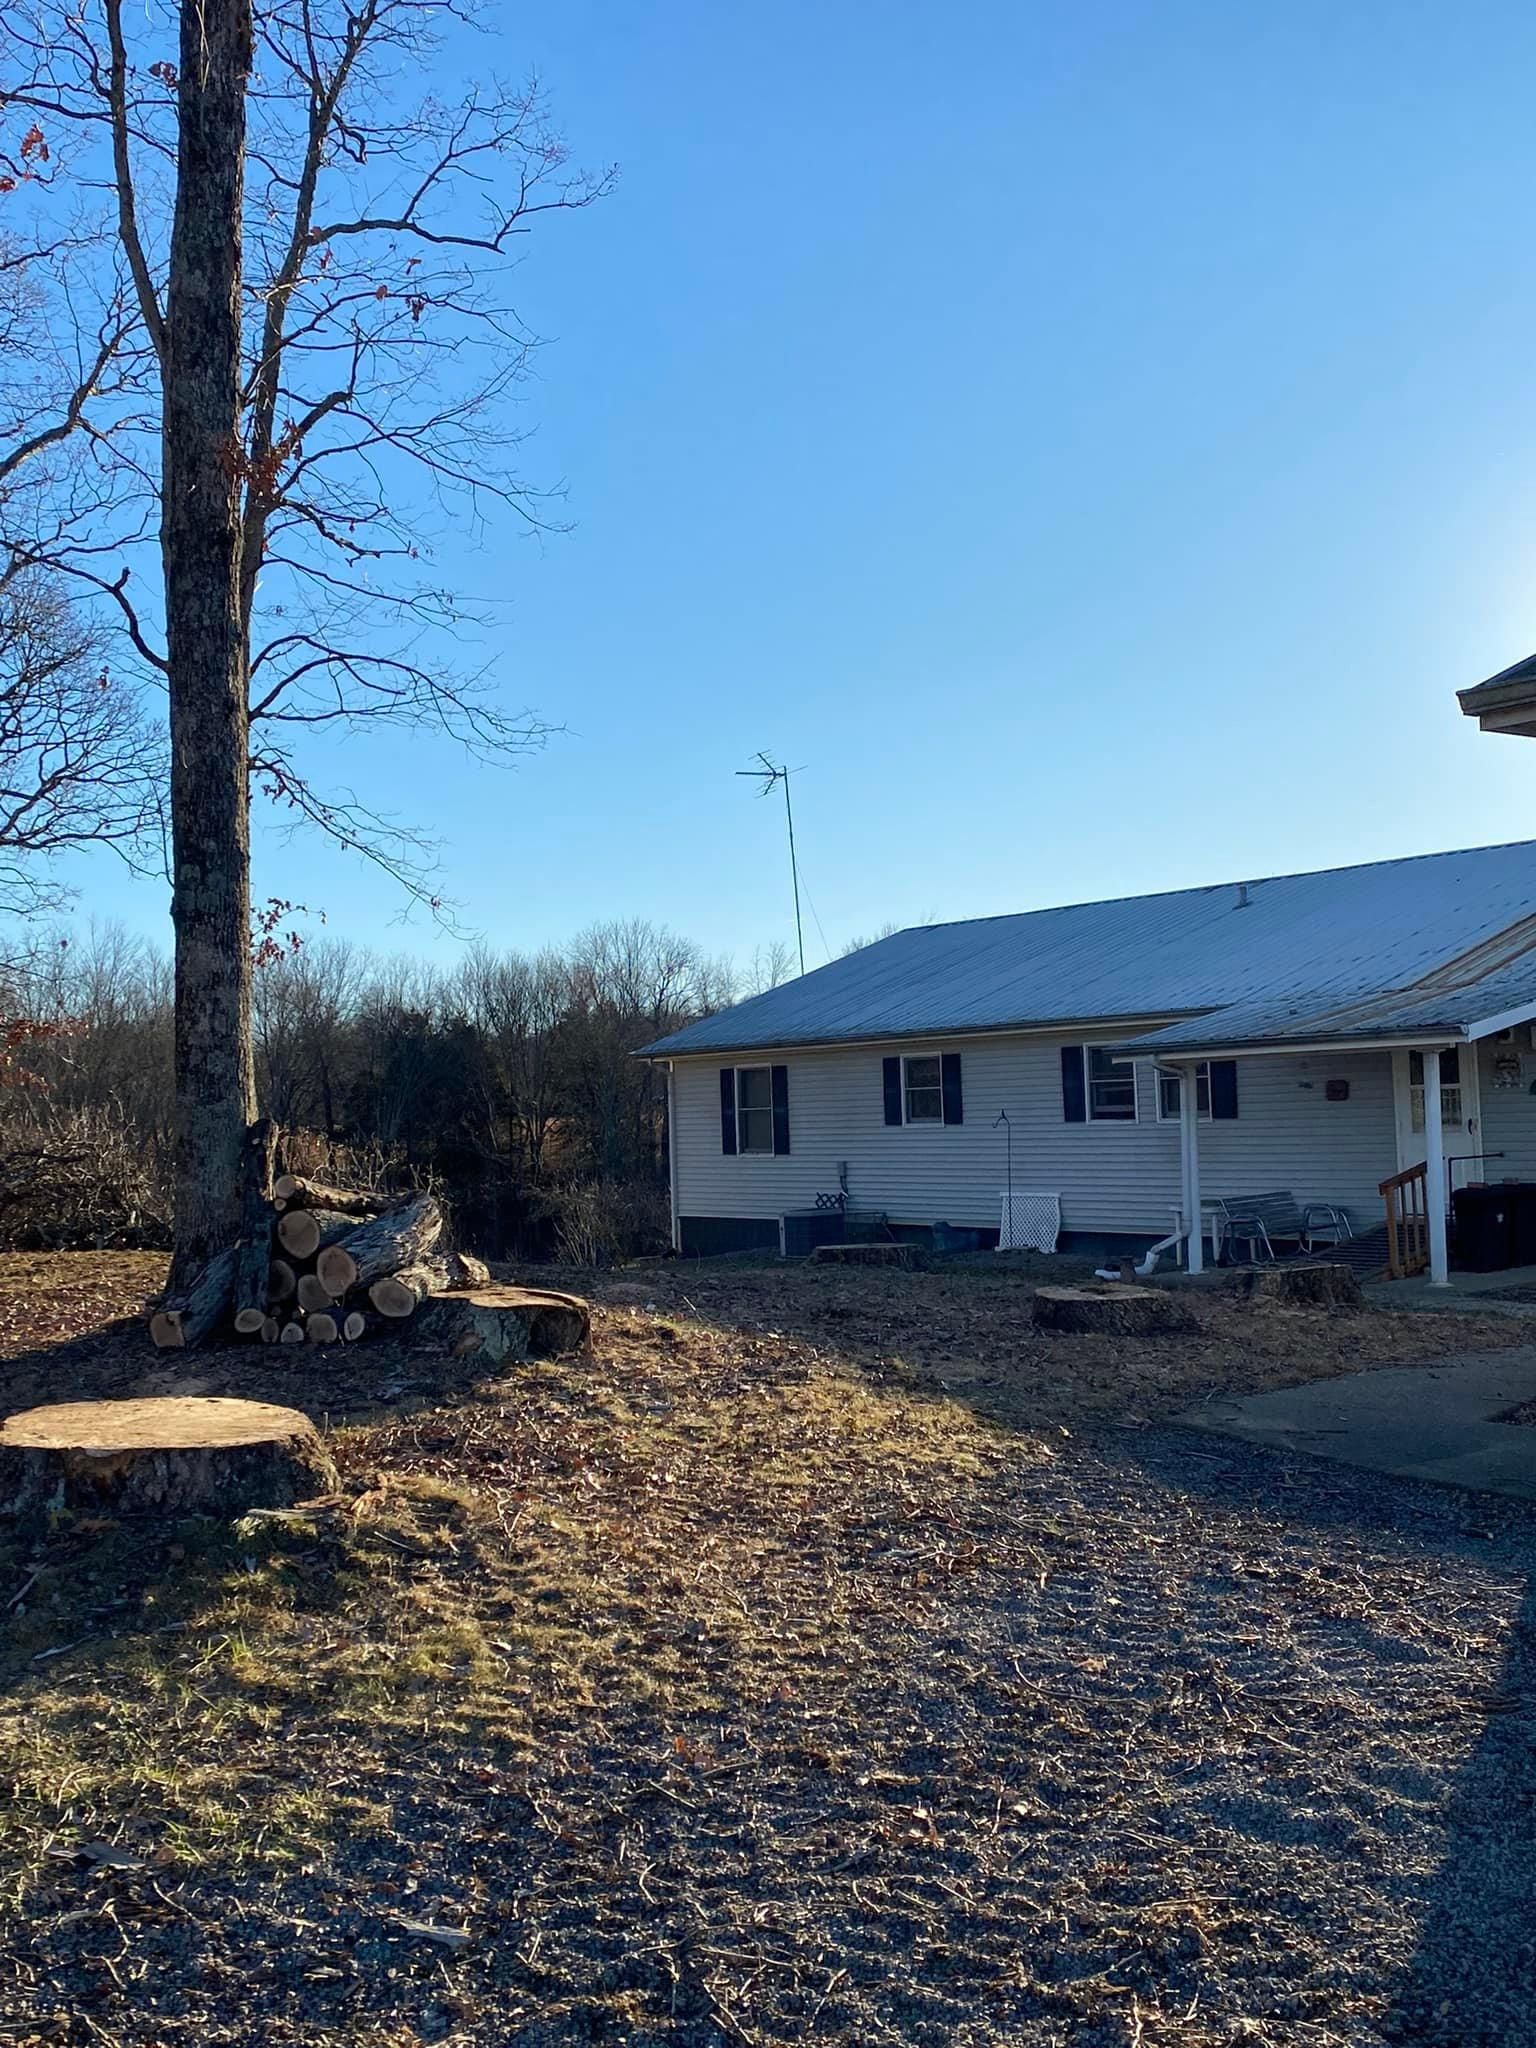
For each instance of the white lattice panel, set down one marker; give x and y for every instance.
(1031, 1221)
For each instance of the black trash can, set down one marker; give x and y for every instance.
(1485, 1235)
(1521, 1196)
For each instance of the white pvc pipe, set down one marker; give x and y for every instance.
(1434, 1172)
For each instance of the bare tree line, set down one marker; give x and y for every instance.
(507, 1081)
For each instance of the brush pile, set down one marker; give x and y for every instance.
(326, 1265)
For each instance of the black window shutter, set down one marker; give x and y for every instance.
(892, 1071)
(1223, 1090)
(727, 1109)
(949, 1075)
(1074, 1088)
(780, 1076)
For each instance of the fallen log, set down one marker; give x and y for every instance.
(301, 1232)
(321, 1329)
(162, 1457)
(354, 1326)
(398, 1295)
(293, 1191)
(248, 1322)
(1111, 1311)
(400, 1237)
(269, 1330)
(291, 1333)
(1324, 1286)
(188, 1317)
(502, 1323)
(281, 1281)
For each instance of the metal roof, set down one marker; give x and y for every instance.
(1442, 933)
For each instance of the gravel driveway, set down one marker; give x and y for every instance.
(1164, 1741)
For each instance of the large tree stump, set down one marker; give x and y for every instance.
(1111, 1311)
(1330, 1286)
(160, 1457)
(502, 1323)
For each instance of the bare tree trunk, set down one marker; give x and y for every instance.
(200, 546)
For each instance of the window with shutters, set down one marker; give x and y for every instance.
(754, 1109)
(922, 1089)
(1111, 1087)
(1170, 1094)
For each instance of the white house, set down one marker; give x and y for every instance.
(1321, 1033)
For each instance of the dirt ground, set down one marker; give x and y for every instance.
(72, 1321)
(739, 1686)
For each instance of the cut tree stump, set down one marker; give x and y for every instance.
(501, 1323)
(1112, 1311)
(1328, 1286)
(160, 1457)
(862, 1255)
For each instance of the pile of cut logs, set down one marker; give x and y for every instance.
(322, 1265)
(330, 1262)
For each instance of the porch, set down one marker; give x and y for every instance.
(1453, 1114)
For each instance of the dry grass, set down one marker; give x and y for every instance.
(743, 1685)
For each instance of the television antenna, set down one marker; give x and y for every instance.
(770, 775)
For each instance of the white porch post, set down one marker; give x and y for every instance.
(1189, 1132)
(1434, 1172)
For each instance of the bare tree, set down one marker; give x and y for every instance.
(382, 361)
(79, 763)
(317, 403)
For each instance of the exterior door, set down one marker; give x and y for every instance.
(1459, 1112)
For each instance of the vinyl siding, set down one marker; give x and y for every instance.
(1509, 1114)
(1111, 1177)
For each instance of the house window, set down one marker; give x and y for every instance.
(1111, 1088)
(1169, 1094)
(922, 1089)
(754, 1109)
(1450, 1087)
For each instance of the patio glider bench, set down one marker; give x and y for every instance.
(1259, 1221)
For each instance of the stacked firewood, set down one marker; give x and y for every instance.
(323, 1265)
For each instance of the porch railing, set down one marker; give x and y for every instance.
(1406, 1199)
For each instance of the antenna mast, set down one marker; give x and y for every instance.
(770, 775)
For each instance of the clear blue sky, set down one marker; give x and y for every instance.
(1095, 441)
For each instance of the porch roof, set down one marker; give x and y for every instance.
(1424, 1012)
(1506, 702)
